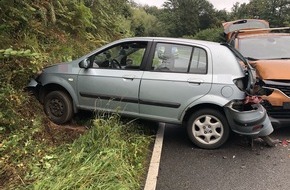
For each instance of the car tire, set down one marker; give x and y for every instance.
(208, 128)
(58, 107)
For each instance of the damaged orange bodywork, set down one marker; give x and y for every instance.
(275, 70)
(269, 53)
(272, 69)
(277, 98)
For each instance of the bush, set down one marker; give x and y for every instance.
(16, 69)
(211, 34)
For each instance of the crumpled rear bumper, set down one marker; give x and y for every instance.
(247, 119)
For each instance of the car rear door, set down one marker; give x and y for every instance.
(178, 75)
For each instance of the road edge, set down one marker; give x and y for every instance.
(153, 170)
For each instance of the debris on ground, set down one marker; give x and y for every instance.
(269, 141)
(284, 143)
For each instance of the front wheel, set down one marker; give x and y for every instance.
(208, 128)
(58, 107)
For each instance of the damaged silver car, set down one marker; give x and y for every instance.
(205, 86)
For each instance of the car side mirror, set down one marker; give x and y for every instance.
(85, 64)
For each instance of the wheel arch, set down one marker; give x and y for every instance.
(193, 109)
(44, 90)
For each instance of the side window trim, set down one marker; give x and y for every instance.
(190, 60)
(147, 56)
(150, 56)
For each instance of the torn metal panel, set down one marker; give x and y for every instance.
(277, 98)
(272, 69)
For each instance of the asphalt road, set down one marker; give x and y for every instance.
(236, 165)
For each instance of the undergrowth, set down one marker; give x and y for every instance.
(110, 155)
(34, 153)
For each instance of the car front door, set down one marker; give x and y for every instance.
(179, 75)
(112, 82)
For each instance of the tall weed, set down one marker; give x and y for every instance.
(111, 155)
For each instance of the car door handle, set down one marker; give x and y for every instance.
(195, 81)
(129, 77)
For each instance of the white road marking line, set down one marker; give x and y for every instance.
(152, 174)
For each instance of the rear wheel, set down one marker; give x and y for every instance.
(58, 107)
(208, 128)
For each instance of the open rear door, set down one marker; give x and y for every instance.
(230, 27)
(244, 24)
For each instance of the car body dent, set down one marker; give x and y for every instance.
(277, 98)
(280, 94)
(275, 74)
(272, 69)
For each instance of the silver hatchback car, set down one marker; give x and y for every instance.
(200, 84)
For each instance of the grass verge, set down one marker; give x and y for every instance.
(110, 155)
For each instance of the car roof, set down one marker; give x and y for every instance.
(170, 40)
(183, 41)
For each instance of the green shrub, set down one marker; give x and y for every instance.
(17, 66)
(211, 34)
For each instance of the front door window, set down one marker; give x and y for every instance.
(122, 56)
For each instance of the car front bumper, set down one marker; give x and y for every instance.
(246, 119)
(33, 87)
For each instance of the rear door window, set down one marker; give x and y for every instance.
(170, 57)
(199, 61)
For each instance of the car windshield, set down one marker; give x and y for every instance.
(265, 47)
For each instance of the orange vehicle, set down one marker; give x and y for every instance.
(268, 51)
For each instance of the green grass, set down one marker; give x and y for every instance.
(110, 155)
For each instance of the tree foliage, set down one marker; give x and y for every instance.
(187, 17)
(277, 12)
(210, 34)
(39, 32)
(144, 24)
